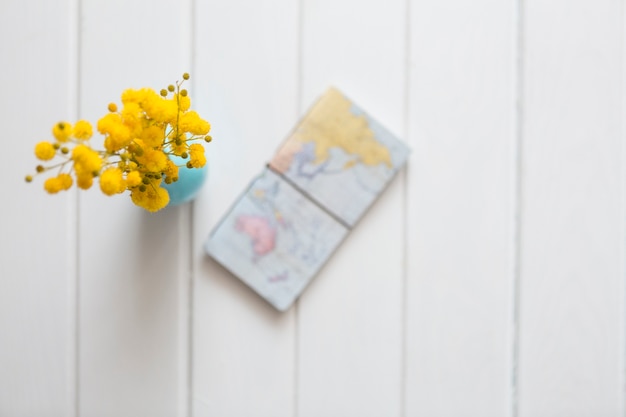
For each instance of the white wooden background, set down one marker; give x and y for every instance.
(500, 249)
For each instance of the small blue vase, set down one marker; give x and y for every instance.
(190, 181)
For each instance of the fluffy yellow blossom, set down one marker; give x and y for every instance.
(84, 181)
(133, 179)
(192, 123)
(62, 131)
(152, 136)
(152, 160)
(180, 145)
(153, 198)
(171, 171)
(112, 181)
(160, 109)
(132, 117)
(53, 185)
(86, 160)
(184, 101)
(136, 96)
(196, 153)
(82, 130)
(155, 106)
(45, 151)
(66, 181)
(118, 135)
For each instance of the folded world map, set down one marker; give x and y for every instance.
(293, 216)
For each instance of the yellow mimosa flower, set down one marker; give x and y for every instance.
(62, 131)
(66, 181)
(154, 198)
(112, 181)
(197, 158)
(138, 141)
(133, 179)
(84, 181)
(82, 130)
(45, 151)
(53, 185)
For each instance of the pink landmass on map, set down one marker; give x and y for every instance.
(261, 232)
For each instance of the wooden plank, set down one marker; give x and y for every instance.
(350, 317)
(572, 235)
(38, 245)
(134, 266)
(246, 83)
(460, 208)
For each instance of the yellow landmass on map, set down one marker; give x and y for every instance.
(332, 124)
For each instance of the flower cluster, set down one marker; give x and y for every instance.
(139, 139)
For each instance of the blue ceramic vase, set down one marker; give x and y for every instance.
(190, 181)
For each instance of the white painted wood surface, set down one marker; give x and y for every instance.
(243, 350)
(572, 228)
(461, 209)
(131, 265)
(487, 281)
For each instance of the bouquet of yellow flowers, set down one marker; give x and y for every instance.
(139, 143)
